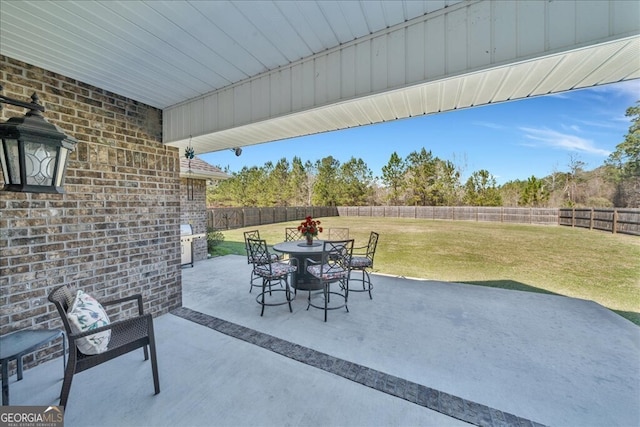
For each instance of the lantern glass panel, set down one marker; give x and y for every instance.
(62, 166)
(40, 162)
(12, 168)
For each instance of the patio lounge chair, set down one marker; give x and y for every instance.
(124, 336)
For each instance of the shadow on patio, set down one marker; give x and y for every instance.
(420, 353)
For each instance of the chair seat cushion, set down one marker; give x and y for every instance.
(278, 269)
(360, 262)
(327, 272)
(263, 259)
(86, 314)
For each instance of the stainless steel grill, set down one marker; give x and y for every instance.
(186, 243)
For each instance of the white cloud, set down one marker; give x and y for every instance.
(552, 138)
(562, 95)
(612, 123)
(489, 125)
(574, 128)
(629, 89)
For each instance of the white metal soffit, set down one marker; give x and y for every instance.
(163, 53)
(608, 63)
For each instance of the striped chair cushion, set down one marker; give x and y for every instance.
(278, 269)
(327, 272)
(360, 262)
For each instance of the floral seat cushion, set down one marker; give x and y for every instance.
(327, 272)
(84, 315)
(263, 259)
(360, 262)
(278, 269)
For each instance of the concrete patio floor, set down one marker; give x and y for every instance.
(420, 353)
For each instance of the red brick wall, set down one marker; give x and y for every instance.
(116, 230)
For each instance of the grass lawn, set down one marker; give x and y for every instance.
(579, 263)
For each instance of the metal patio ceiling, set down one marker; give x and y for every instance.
(165, 52)
(169, 54)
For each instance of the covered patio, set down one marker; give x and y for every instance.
(420, 352)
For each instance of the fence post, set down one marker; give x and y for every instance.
(614, 226)
(591, 220)
(573, 217)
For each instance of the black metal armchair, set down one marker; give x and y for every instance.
(126, 335)
(255, 234)
(334, 267)
(362, 260)
(271, 271)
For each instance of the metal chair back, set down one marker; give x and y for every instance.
(291, 234)
(252, 234)
(338, 233)
(259, 253)
(371, 247)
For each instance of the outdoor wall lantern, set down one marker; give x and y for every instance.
(34, 152)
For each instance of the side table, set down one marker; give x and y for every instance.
(17, 344)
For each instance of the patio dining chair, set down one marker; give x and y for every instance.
(362, 260)
(255, 234)
(334, 267)
(271, 272)
(291, 234)
(93, 339)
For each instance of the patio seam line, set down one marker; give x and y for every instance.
(444, 403)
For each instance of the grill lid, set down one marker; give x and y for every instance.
(186, 230)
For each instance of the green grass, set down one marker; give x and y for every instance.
(579, 263)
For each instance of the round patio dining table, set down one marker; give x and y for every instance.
(301, 251)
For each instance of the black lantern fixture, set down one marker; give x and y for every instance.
(189, 154)
(34, 152)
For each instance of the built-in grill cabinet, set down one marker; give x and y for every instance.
(186, 243)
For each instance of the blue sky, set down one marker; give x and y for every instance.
(512, 140)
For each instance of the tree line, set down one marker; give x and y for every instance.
(422, 179)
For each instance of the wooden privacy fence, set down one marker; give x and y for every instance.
(457, 213)
(625, 221)
(613, 220)
(228, 218)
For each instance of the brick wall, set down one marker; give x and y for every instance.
(116, 230)
(193, 202)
